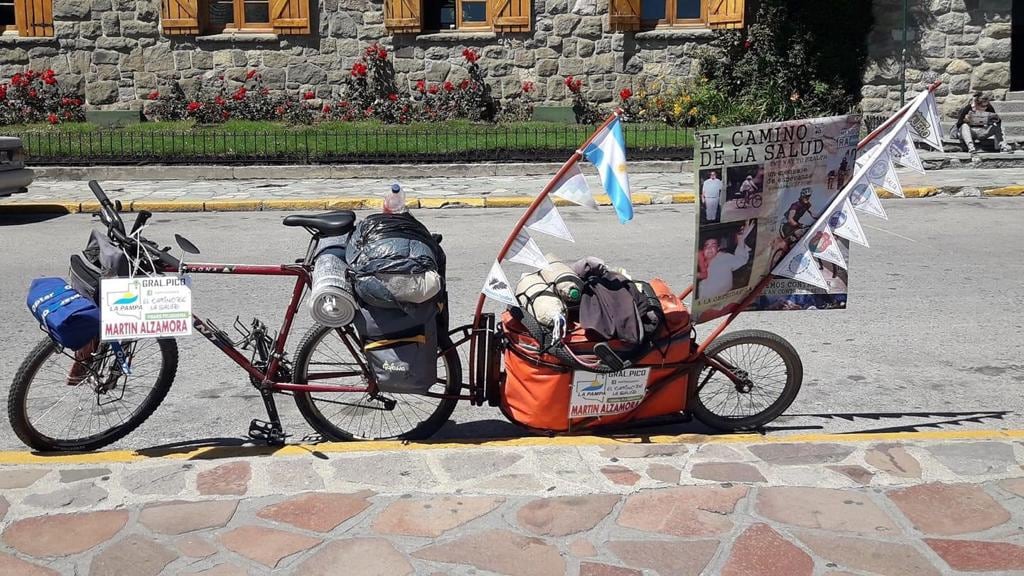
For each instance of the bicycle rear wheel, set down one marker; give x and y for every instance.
(358, 415)
(60, 403)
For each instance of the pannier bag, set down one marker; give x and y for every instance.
(400, 346)
(394, 261)
(70, 319)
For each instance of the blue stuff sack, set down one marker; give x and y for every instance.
(71, 319)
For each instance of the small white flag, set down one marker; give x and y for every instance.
(525, 251)
(573, 187)
(845, 224)
(547, 220)
(883, 174)
(825, 246)
(800, 265)
(864, 198)
(496, 287)
(925, 125)
(904, 153)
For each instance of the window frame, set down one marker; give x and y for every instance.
(239, 25)
(670, 21)
(460, 24)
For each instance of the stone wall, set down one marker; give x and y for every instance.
(963, 43)
(114, 50)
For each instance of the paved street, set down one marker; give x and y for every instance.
(932, 336)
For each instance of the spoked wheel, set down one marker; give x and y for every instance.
(756, 201)
(768, 376)
(358, 415)
(60, 403)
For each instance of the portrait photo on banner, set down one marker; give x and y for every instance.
(712, 194)
(725, 257)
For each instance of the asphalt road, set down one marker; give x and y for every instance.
(933, 337)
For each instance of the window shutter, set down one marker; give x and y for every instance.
(511, 15)
(290, 16)
(624, 15)
(724, 14)
(403, 16)
(34, 17)
(179, 17)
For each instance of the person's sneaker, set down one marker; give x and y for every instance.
(1006, 148)
(975, 159)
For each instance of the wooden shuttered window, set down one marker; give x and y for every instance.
(403, 16)
(725, 14)
(511, 15)
(290, 16)
(179, 17)
(34, 17)
(624, 15)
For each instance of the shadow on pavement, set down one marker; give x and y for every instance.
(26, 219)
(934, 420)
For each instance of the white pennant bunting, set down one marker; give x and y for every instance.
(864, 198)
(496, 287)
(525, 251)
(573, 187)
(883, 174)
(547, 220)
(825, 246)
(845, 224)
(925, 125)
(904, 153)
(800, 265)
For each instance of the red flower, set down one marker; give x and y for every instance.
(240, 94)
(32, 93)
(30, 74)
(250, 74)
(625, 94)
(343, 103)
(49, 80)
(527, 87)
(309, 95)
(3, 91)
(393, 97)
(382, 54)
(573, 84)
(52, 118)
(155, 94)
(358, 69)
(19, 81)
(369, 111)
(326, 109)
(280, 110)
(264, 91)
(747, 44)
(225, 114)
(194, 106)
(470, 55)
(448, 86)
(432, 89)
(219, 100)
(464, 84)
(421, 86)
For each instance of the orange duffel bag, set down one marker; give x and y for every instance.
(550, 390)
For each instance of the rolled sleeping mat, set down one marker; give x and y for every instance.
(539, 299)
(567, 284)
(331, 302)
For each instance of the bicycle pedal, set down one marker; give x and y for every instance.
(267, 432)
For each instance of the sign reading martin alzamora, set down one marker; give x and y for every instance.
(133, 308)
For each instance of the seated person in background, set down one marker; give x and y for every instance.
(979, 121)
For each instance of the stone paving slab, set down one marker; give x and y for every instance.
(922, 506)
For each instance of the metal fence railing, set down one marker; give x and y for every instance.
(379, 145)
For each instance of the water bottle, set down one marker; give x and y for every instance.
(567, 284)
(394, 201)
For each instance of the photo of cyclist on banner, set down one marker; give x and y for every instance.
(744, 192)
(793, 228)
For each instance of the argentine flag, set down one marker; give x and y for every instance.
(608, 153)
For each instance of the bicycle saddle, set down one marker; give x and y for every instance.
(334, 223)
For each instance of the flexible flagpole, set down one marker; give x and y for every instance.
(768, 277)
(576, 156)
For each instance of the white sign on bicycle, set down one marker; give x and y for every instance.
(605, 394)
(145, 307)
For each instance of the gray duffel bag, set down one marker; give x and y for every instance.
(400, 346)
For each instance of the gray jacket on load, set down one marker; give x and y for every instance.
(387, 246)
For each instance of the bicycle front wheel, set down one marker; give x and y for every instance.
(63, 402)
(332, 356)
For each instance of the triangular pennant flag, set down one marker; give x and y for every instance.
(883, 174)
(800, 265)
(573, 187)
(904, 153)
(825, 246)
(864, 198)
(547, 220)
(525, 251)
(496, 287)
(925, 125)
(845, 224)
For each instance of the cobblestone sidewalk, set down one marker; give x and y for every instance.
(918, 505)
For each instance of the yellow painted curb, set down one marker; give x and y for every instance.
(444, 202)
(207, 453)
(231, 205)
(685, 198)
(295, 204)
(40, 208)
(94, 206)
(642, 199)
(507, 201)
(918, 192)
(167, 205)
(1016, 190)
(347, 204)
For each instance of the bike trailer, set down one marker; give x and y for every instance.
(70, 319)
(546, 388)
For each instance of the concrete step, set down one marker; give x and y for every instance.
(1009, 106)
(1016, 130)
(1015, 95)
(1011, 117)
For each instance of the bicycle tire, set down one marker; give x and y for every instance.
(756, 201)
(425, 428)
(741, 203)
(18, 399)
(759, 338)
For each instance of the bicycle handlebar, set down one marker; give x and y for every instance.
(116, 232)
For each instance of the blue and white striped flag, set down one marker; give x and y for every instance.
(607, 151)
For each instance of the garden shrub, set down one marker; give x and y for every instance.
(33, 96)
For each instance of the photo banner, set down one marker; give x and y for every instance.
(760, 189)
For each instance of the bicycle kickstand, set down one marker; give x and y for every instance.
(270, 432)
